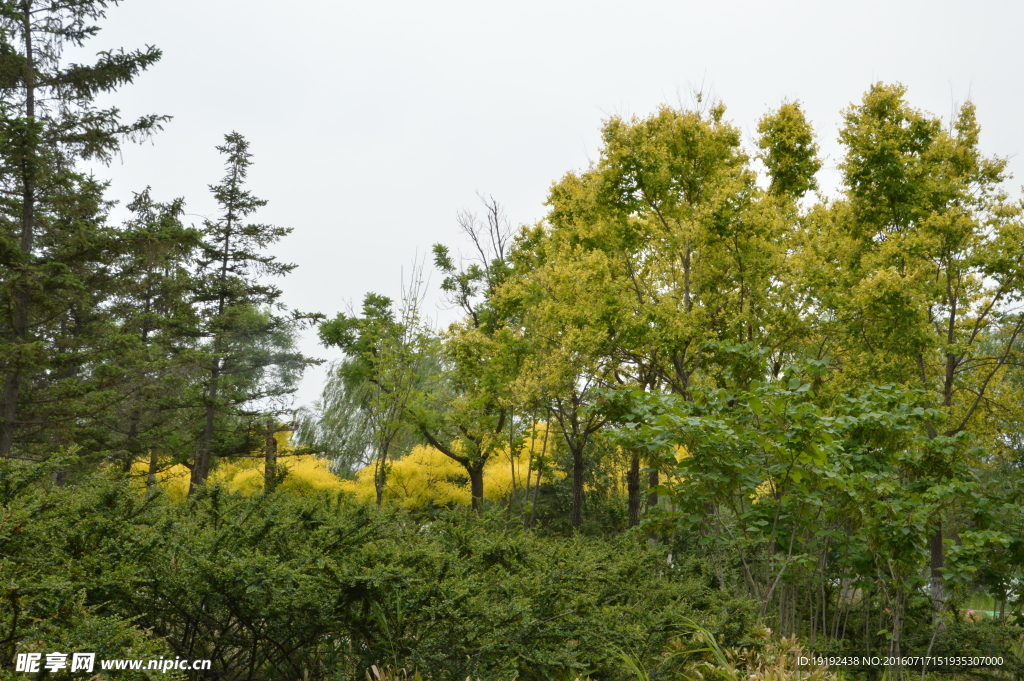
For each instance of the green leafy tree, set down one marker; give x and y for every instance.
(565, 354)
(365, 405)
(789, 151)
(916, 272)
(667, 258)
(336, 424)
(465, 412)
(454, 391)
(786, 486)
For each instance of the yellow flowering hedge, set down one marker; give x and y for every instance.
(422, 478)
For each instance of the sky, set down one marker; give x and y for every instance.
(373, 124)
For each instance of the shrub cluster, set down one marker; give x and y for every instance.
(283, 586)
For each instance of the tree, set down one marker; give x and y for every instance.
(336, 424)
(566, 353)
(805, 491)
(51, 215)
(158, 363)
(788, 150)
(366, 402)
(468, 408)
(668, 257)
(240, 314)
(916, 272)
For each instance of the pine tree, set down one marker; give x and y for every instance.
(250, 355)
(153, 308)
(52, 233)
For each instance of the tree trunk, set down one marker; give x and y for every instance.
(528, 521)
(577, 488)
(652, 498)
(151, 478)
(514, 498)
(526, 495)
(270, 458)
(380, 477)
(201, 469)
(633, 489)
(652, 501)
(131, 448)
(938, 586)
(476, 485)
(12, 386)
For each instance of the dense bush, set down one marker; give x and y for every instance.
(284, 586)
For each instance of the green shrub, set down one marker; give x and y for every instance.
(287, 587)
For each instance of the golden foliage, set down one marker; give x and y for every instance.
(422, 478)
(426, 477)
(306, 474)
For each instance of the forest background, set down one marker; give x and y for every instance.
(700, 401)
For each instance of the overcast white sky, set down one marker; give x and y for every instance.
(373, 123)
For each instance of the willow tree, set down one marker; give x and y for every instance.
(364, 406)
(453, 389)
(51, 216)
